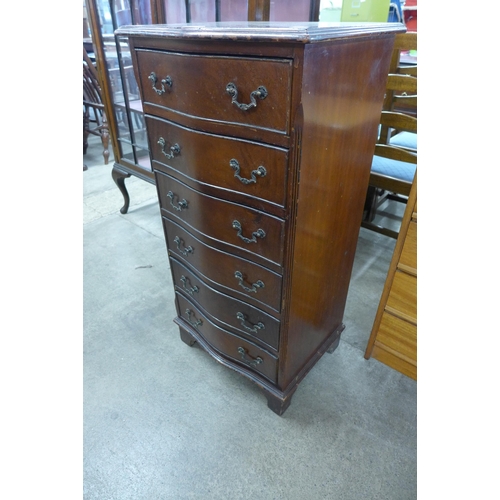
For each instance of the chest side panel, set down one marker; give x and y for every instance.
(341, 110)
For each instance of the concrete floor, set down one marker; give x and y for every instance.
(165, 421)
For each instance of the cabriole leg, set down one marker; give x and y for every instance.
(119, 177)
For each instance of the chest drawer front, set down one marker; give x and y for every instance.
(399, 335)
(229, 345)
(238, 277)
(195, 85)
(233, 313)
(409, 253)
(253, 169)
(251, 230)
(403, 295)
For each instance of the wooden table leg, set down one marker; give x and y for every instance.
(119, 177)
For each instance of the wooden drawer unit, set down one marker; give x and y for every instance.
(261, 136)
(242, 317)
(249, 172)
(393, 339)
(226, 272)
(232, 346)
(409, 253)
(397, 335)
(403, 297)
(205, 86)
(252, 233)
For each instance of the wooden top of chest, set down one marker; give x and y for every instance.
(295, 32)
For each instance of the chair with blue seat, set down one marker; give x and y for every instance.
(395, 157)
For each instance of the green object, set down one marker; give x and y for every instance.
(365, 11)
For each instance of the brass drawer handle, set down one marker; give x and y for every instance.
(185, 252)
(196, 323)
(231, 89)
(166, 81)
(181, 205)
(257, 284)
(189, 290)
(261, 172)
(260, 233)
(247, 359)
(252, 328)
(174, 150)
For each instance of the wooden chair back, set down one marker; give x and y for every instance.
(91, 89)
(394, 121)
(92, 100)
(395, 155)
(401, 87)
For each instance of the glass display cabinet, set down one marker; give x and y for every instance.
(120, 91)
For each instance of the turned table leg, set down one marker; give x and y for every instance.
(119, 177)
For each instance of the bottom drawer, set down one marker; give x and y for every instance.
(399, 336)
(233, 313)
(229, 345)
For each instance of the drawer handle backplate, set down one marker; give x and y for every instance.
(166, 81)
(261, 93)
(247, 359)
(174, 150)
(260, 172)
(252, 328)
(260, 233)
(196, 323)
(190, 290)
(181, 205)
(185, 252)
(258, 284)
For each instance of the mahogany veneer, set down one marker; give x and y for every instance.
(261, 136)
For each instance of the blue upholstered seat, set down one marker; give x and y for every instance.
(393, 168)
(405, 140)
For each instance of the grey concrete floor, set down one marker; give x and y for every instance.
(165, 421)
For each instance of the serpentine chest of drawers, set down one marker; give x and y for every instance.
(261, 137)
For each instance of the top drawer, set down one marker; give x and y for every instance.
(245, 91)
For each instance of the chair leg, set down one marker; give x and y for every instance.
(380, 230)
(370, 204)
(105, 138)
(85, 130)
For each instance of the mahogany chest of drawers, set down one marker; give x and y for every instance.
(261, 137)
